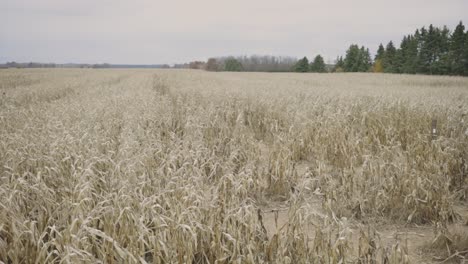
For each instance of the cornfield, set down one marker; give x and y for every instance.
(186, 166)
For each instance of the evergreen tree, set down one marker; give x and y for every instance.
(465, 60)
(378, 67)
(401, 55)
(318, 65)
(411, 61)
(431, 50)
(351, 60)
(424, 54)
(388, 61)
(457, 49)
(365, 61)
(380, 53)
(407, 55)
(357, 59)
(441, 63)
(339, 64)
(302, 65)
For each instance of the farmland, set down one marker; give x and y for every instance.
(187, 166)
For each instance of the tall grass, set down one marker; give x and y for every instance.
(128, 166)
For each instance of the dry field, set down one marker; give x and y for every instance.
(180, 166)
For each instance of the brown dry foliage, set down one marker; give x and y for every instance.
(127, 166)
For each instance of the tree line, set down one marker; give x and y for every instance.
(20, 65)
(258, 63)
(317, 65)
(431, 50)
(14, 64)
(254, 63)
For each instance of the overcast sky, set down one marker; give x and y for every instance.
(156, 31)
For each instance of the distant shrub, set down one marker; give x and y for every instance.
(231, 64)
(212, 65)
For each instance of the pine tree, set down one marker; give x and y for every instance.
(351, 60)
(424, 54)
(365, 61)
(357, 59)
(378, 67)
(389, 58)
(457, 49)
(302, 65)
(409, 54)
(441, 63)
(412, 62)
(318, 65)
(380, 52)
(431, 50)
(339, 64)
(401, 55)
(465, 60)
